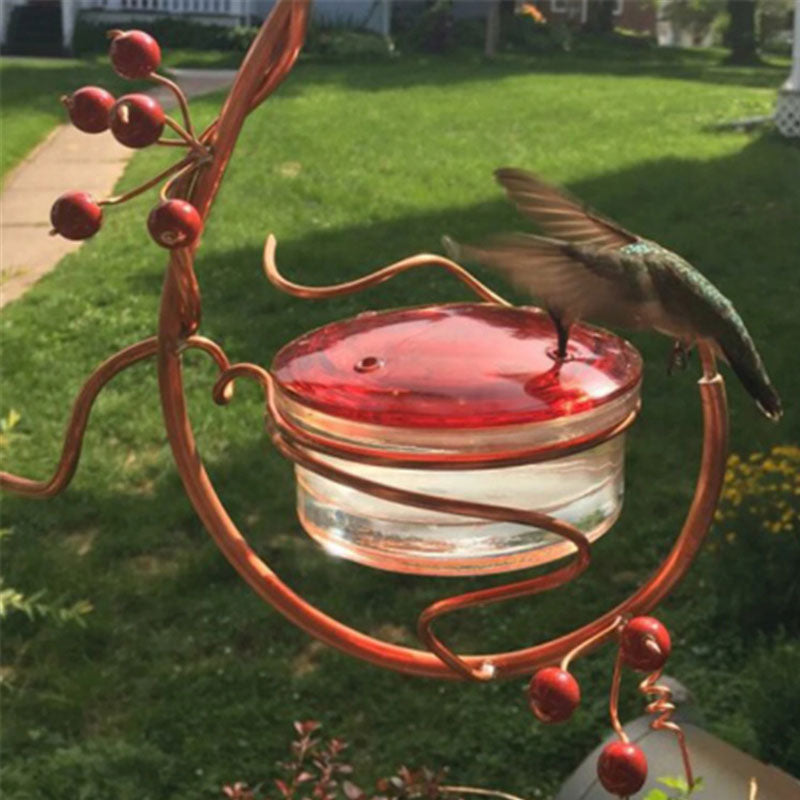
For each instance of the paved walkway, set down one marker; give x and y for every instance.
(65, 161)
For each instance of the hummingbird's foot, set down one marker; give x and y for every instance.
(678, 357)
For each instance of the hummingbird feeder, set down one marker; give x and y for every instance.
(437, 440)
(463, 401)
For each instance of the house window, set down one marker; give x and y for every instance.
(561, 6)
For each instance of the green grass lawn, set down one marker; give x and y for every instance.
(30, 89)
(182, 679)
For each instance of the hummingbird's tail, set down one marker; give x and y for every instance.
(739, 351)
(758, 385)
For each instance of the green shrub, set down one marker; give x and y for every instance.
(431, 31)
(99, 768)
(174, 34)
(774, 20)
(171, 32)
(346, 43)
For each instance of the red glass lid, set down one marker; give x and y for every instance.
(456, 366)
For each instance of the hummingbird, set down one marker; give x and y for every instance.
(589, 267)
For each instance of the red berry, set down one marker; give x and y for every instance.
(135, 54)
(553, 694)
(622, 768)
(76, 216)
(89, 108)
(175, 223)
(645, 644)
(137, 120)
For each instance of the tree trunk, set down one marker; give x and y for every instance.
(492, 28)
(742, 31)
(600, 17)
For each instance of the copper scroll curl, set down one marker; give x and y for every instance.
(268, 61)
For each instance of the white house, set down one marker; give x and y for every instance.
(370, 14)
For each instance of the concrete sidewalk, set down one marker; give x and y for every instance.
(67, 160)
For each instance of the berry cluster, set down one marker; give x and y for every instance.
(554, 695)
(136, 121)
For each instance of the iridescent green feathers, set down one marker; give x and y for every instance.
(588, 267)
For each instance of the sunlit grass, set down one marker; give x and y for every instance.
(30, 89)
(183, 679)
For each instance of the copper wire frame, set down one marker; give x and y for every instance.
(266, 64)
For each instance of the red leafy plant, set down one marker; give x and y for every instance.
(317, 771)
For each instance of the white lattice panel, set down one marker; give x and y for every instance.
(787, 113)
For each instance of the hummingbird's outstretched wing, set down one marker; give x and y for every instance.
(559, 215)
(572, 281)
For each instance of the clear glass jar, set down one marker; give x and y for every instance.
(457, 385)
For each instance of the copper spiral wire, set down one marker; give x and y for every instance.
(82, 407)
(374, 278)
(265, 66)
(284, 440)
(287, 436)
(664, 707)
(434, 461)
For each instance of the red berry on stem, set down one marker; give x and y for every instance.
(135, 54)
(175, 223)
(137, 120)
(76, 216)
(553, 694)
(645, 644)
(622, 768)
(89, 108)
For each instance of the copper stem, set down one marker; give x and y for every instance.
(190, 140)
(175, 168)
(590, 643)
(613, 698)
(180, 97)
